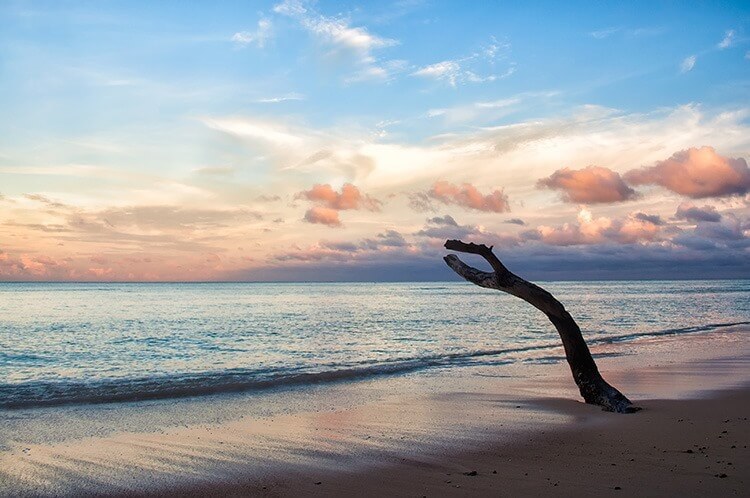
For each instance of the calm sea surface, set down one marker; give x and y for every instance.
(74, 343)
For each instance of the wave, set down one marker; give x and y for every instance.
(35, 394)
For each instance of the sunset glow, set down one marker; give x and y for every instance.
(303, 141)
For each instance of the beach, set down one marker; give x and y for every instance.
(510, 430)
(302, 248)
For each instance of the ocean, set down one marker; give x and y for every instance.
(75, 343)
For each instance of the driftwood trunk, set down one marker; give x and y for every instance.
(594, 389)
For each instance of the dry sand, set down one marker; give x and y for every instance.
(519, 427)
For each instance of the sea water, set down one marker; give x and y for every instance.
(68, 343)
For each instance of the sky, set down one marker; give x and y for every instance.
(346, 141)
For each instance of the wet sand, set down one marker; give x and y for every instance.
(507, 430)
(672, 448)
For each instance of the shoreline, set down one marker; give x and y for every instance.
(400, 436)
(646, 455)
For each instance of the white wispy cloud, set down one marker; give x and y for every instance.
(449, 71)
(600, 34)
(728, 40)
(342, 40)
(385, 71)
(603, 33)
(257, 37)
(688, 63)
(466, 69)
(281, 98)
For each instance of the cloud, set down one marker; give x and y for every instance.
(350, 197)
(464, 70)
(215, 170)
(259, 37)
(654, 219)
(445, 70)
(323, 216)
(385, 71)
(341, 40)
(488, 110)
(726, 235)
(384, 247)
(281, 98)
(516, 221)
(687, 64)
(696, 173)
(465, 195)
(604, 33)
(504, 155)
(329, 203)
(446, 227)
(301, 149)
(590, 231)
(387, 240)
(590, 185)
(167, 218)
(45, 200)
(453, 73)
(689, 212)
(728, 231)
(728, 40)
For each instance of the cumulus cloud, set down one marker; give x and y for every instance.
(465, 195)
(323, 216)
(350, 197)
(590, 230)
(258, 37)
(689, 212)
(696, 173)
(329, 203)
(590, 185)
(728, 231)
(726, 235)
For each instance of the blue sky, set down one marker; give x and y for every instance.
(175, 113)
(91, 59)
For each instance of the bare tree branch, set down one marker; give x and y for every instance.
(594, 389)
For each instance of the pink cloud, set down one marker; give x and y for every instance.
(350, 197)
(590, 185)
(323, 215)
(696, 173)
(468, 196)
(589, 230)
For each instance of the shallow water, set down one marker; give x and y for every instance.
(73, 343)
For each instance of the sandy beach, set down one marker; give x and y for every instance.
(510, 430)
